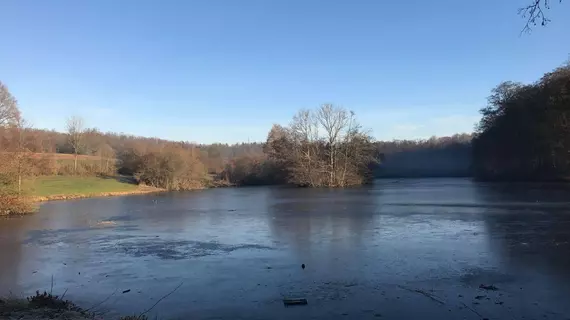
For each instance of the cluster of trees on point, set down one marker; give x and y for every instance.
(525, 130)
(325, 147)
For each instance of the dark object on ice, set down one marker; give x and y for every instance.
(489, 287)
(295, 302)
(303, 266)
(126, 291)
(479, 297)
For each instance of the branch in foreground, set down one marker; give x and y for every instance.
(431, 296)
(159, 300)
(104, 300)
(534, 13)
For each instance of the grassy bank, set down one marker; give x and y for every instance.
(65, 188)
(41, 306)
(72, 187)
(44, 306)
(62, 185)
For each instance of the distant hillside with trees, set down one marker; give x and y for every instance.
(321, 147)
(434, 157)
(524, 134)
(291, 159)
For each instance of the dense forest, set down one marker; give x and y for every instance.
(524, 133)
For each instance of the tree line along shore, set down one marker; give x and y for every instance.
(523, 135)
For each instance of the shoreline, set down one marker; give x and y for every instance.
(139, 190)
(59, 197)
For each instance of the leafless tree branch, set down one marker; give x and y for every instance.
(535, 14)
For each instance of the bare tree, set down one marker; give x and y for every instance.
(106, 157)
(18, 161)
(304, 132)
(9, 113)
(23, 158)
(347, 147)
(535, 13)
(334, 120)
(76, 133)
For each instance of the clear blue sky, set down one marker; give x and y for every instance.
(215, 70)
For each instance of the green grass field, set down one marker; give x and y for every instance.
(70, 185)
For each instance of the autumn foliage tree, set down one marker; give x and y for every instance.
(9, 112)
(16, 160)
(253, 170)
(169, 166)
